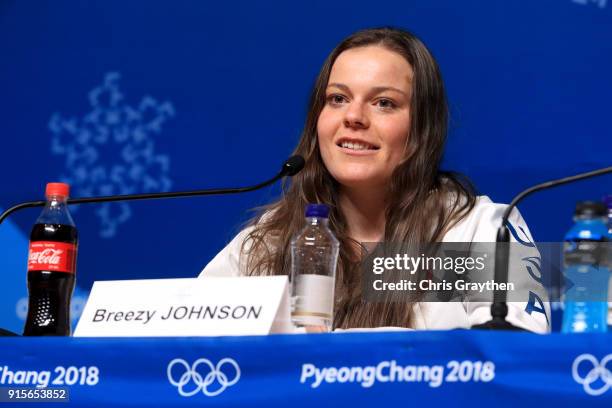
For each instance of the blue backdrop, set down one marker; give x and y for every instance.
(136, 96)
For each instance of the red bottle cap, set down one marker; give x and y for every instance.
(57, 189)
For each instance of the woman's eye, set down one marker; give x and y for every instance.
(336, 99)
(386, 103)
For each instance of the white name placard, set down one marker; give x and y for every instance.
(187, 307)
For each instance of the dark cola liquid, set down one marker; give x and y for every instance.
(50, 291)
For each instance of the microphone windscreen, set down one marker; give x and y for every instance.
(293, 165)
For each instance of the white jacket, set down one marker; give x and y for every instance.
(480, 225)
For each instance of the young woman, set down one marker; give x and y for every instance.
(373, 141)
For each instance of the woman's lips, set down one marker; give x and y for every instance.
(355, 144)
(355, 152)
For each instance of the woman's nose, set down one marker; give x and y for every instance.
(356, 116)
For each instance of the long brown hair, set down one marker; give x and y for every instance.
(423, 201)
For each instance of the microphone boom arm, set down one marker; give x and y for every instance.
(291, 167)
(549, 184)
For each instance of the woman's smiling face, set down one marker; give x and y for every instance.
(364, 125)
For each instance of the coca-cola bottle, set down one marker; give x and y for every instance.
(51, 266)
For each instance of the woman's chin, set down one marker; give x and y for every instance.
(359, 181)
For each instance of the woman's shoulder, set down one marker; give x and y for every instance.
(229, 262)
(232, 259)
(483, 220)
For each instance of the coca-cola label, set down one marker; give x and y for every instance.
(52, 256)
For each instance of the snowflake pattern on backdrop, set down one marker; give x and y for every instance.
(600, 3)
(110, 150)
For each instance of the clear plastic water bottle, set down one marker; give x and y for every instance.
(314, 257)
(586, 272)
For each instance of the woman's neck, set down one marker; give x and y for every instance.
(364, 211)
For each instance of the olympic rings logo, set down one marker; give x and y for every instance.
(203, 374)
(599, 370)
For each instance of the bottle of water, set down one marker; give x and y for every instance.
(314, 256)
(586, 272)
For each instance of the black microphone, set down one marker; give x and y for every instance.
(293, 165)
(499, 307)
(290, 168)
